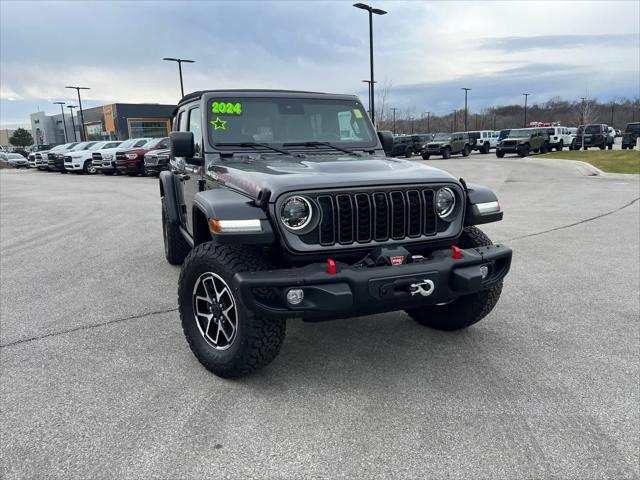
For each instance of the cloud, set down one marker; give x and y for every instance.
(519, 44)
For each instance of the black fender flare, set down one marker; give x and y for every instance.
(226, 204)
(480, 205)
(168, 191)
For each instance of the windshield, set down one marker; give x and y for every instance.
(82, 146)
(633, 127)
(519, 133)
(153, 143)
(129, 143)
(97, 146)
(288, 120)
(441, 136)
(592, 129)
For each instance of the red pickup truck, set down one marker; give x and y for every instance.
(131, 160)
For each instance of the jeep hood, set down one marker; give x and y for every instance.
(280, 174)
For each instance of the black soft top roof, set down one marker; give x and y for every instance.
(258, 93)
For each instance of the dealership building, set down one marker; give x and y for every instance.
(116, 121)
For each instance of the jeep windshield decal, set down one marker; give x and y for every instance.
(234, 123)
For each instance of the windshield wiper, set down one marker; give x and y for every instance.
(254, 145)
(323, 144)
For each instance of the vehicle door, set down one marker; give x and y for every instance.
(192, 171)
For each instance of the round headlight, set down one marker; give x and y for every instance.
(445, 202)
(296, 213)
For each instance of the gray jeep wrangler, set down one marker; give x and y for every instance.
(447, 144)
(283, 205)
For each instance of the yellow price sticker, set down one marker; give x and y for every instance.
(357, 113)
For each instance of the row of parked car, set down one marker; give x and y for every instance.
(137, 156)
(521, 141)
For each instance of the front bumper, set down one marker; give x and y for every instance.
(509, 148)
(358, 290)
(105, 166)
(155, 169)
(128, 166)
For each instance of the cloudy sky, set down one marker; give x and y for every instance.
(427, 50)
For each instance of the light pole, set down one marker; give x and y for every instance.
(455, 122)
(64, 123)
(82, 138)
(179, 61)
(526, 95)
(73, 123)
(377, 11)
(583, 107)
(466, 90)
(428, 122)
(394, 120)
(368, 82)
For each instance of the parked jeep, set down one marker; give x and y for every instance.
(420, 142)
(447, 144)
(483, 140)
(559, 137)
(593, 135)
(523, 141)
(630, 135)
(402, 146)
(283, 205)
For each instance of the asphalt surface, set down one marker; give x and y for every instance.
(97, 380)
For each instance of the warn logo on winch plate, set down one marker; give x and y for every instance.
(397, 260)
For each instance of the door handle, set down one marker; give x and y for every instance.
(183, 177)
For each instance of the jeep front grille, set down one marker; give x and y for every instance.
(380, 216)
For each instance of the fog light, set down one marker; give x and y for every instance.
(484, 271)
(295, 296)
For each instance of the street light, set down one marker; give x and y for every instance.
(526, 95)
(465, 107)
(73, 123)
(81, 115)
(369, 87)
(455, 121)
(179, 61)
(428, 120)
(64, 124)
(583, 107)
(377, 11)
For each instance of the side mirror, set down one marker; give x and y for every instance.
(386, 139)
(182, 144)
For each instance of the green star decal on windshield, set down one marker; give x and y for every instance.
(219, 124)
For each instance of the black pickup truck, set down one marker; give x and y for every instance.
(282, 204)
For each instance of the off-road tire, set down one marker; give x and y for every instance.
(585, 148)
(544, 148)
(485, 148)
(603, 146)
(176, 247)
(426, 156)
(408, 153)
(560, 146)
(467, 310)
(466, 151)
(499, 154)
(257, 340)
(523, 151)
(446, 153)
(610, 146)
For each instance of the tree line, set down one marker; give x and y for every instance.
(616, 113)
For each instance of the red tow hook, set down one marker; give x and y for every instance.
(331, 270)
(457, 254)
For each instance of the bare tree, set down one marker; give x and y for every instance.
(382, 100)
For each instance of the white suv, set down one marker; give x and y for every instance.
(79, 160)
(485, 140)
(559, 137)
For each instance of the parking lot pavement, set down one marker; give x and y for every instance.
(97, 380)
